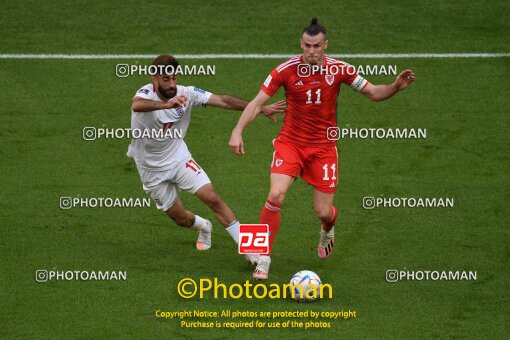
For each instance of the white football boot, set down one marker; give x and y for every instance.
(262, 270)
(204, 236)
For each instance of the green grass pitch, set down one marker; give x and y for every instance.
(461, 102)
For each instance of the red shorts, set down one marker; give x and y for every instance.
(317, 166)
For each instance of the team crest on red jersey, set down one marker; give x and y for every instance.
(330, 78)
(279, 162)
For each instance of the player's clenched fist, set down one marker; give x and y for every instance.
(236, 143)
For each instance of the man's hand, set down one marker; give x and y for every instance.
(403, 80)
(177, 101)
(236, 142)
(383, 92)
(270, 110)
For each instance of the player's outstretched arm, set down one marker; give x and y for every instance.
(146, 105)
(232, 103)
(248, 115)
(383, 92)
(227, 102)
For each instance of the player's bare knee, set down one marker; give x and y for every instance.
(276, 196)
(323, 212)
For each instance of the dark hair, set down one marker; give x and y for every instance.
(166, 60)
(315, 28)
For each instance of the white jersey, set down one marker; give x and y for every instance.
(159, 153)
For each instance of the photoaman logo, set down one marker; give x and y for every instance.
(189, 288)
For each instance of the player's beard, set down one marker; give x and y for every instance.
(168, 94)
(315, 60)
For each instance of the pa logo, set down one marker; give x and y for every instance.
(253, 239)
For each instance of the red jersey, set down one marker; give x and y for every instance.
(311, 93)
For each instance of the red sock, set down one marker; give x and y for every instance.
(271, 215)
(331, 223)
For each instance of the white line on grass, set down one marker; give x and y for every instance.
(253, 56)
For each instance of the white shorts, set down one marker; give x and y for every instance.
(164, 186)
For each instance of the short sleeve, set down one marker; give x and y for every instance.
(359, 83)
(197, 96)
(272, 83)
(353, 79)
(145, 92)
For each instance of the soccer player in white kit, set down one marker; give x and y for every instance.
(163, 160)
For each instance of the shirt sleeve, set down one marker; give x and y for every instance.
(353, 79)
(197, 96)
(145, 92)
(272, 83)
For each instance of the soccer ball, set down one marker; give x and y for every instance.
(305, 286)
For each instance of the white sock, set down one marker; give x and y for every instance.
(199, 223)
(233, 230)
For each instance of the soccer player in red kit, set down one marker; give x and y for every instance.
(312, 83)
